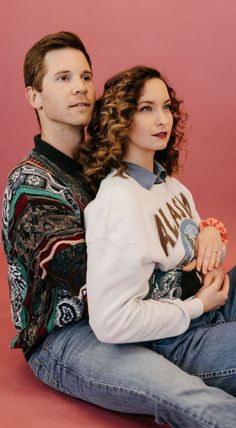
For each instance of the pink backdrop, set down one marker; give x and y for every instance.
(192, 43)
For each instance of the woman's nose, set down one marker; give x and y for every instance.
(161, 117)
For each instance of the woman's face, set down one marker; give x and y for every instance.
(152, 122)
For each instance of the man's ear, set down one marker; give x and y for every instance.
(34, 97)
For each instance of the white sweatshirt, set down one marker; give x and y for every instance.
(130, 231)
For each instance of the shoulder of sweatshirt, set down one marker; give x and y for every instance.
(114, 191)
(115, 210)
(176, 184)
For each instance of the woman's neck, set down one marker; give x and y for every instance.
(146, 162)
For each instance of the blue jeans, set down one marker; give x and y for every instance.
(129, 378)
(208, 348)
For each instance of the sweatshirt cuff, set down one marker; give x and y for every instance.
(194, 307)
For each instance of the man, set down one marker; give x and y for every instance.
(43, 236)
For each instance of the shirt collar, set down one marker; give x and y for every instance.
(145, 177)
(63, 161)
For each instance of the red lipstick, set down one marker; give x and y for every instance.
(160, 135)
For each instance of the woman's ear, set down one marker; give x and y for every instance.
(34, 97)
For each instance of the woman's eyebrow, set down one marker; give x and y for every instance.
(152, 102)
(146, 102)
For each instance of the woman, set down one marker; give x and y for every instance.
(143, 228)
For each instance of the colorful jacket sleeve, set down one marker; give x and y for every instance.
(47, 237)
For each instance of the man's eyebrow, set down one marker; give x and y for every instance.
(87, 72)
(62, 72)
(69, 71)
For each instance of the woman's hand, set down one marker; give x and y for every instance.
(208, 251)
(215, 290)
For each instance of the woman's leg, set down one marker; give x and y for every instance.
(208, 352)
(129, 378)
(229, 309)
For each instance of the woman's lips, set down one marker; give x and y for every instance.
(160, 135)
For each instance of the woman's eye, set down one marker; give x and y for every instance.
(167, 107)
(146, 108)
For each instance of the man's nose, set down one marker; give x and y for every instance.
(79, 86)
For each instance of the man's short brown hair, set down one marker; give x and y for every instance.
(34, 69)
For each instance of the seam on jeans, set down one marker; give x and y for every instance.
(155, 399)
(193, 416)
(41, 366)
(212, 375)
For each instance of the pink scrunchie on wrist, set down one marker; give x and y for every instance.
(211, 221)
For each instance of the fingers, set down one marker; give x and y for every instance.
(224, 292)
(208, 249)
(219, 253)
(225, 286)
(214, 259)
(205, 260)
(208, 279)
(215, 295)
(214, 278)
(190, 266)
(208, 258)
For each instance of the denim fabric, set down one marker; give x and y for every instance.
(129, 378)
(208, 348)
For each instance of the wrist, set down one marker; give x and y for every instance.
(195, 307)
(218, 225)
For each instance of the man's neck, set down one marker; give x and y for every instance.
(66, 139)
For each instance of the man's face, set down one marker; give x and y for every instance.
(68, 95)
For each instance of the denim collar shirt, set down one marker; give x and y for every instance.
(145, 177)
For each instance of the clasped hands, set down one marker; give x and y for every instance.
(208, 253)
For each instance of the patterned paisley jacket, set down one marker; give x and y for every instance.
(44, 241)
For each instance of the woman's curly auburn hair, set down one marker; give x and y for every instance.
(111, 124)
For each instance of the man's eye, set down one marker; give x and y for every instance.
(87, 77)
(63, 78)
